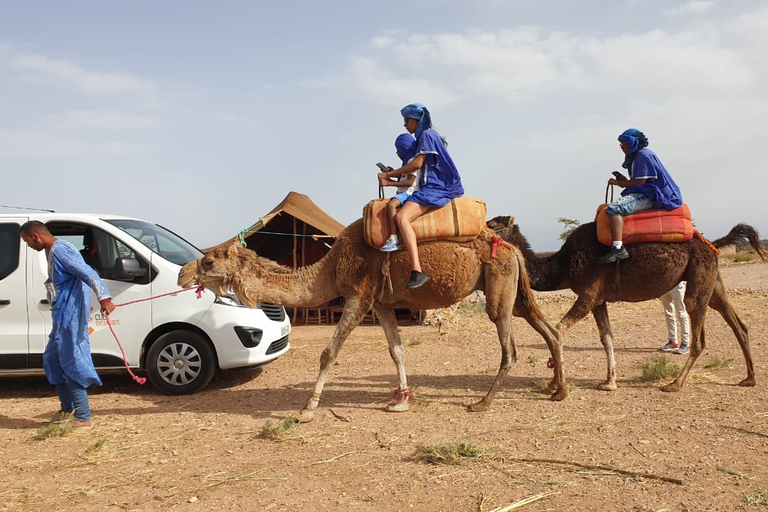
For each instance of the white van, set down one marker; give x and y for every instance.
(179, 340)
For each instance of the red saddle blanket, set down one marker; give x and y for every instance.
(648, 226)
(460, 220)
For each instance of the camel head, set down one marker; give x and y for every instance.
(500, 223)
(221, 271)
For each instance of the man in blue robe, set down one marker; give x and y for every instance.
(649, 187)
(67, 358)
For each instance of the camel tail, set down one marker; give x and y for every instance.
(524, 290)
(741, 232)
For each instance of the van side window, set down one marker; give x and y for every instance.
(99, 249)
(9, 249)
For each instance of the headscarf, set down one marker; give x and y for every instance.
(636, 140)
(420, 113)
(405, 145)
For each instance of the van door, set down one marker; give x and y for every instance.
(14, 319)
(101, 250)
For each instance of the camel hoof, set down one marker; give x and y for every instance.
(607, 386)
(478, 407)
(305, 416)
(748, 382)
(559, 395)
(401, 407)
(672, 387)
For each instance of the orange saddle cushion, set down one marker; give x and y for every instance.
(460, 220)
(648, 226)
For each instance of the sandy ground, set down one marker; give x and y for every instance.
(635, 449)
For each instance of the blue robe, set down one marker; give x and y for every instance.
(69, 286)
(439, 180)
(660, 187)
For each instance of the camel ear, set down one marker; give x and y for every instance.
(233, 251)
(511, 222)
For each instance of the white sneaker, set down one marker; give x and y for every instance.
(392, 244)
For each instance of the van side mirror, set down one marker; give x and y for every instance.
(128, 269)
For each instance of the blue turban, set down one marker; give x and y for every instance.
(636, 140)
(420, 113)
(405, 145)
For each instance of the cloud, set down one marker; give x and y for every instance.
(696, 7)
(528, 63)
(41, 145)
(59, 71)
(99, 120)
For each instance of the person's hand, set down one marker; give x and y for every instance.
(107, 307)
(613, 181)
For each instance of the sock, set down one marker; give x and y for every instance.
(617, 244)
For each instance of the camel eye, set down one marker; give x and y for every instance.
(207, 262)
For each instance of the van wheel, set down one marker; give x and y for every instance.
(181, 363)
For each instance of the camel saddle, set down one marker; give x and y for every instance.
(648, 226)
(461, 220)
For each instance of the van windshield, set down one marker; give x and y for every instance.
(166, 243)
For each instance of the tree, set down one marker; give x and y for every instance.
(568, 226)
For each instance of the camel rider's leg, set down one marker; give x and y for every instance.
(617, 230)
(407, 213)
(393, 242)
(616, 211)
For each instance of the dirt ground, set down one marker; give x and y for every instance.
(209, 451)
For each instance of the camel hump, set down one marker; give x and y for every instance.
(648, 226)
(461, 220)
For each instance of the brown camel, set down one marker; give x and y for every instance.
(361, 274)
(651, 270)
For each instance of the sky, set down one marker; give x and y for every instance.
(203, 116)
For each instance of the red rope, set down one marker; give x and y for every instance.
(496, 242)
(142, 380)
(401, 395)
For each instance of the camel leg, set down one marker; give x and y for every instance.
(388, 322)
(600, 313)
(500, 294)
(578, 311)
(536, 319)
(719, 302)
(697, 311)
(695, 351)
(354, 311)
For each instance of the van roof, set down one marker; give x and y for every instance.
(45, 216)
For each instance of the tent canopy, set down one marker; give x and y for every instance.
(294, 233)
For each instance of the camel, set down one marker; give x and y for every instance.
(367, 278)
(651, 270)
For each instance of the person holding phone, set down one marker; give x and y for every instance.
(407, 184)
(439, 181)
(649, 187)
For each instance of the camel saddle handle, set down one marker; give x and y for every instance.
(607, 188)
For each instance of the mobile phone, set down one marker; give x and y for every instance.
(619, 176)
(383, 167)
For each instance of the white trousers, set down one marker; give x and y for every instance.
(674, 311)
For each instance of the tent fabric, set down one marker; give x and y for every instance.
(295, 207)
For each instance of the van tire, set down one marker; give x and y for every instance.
(181, 363)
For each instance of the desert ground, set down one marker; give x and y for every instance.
(230, 448)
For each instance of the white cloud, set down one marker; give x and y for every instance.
(696, 7)
(99, 120)
(528, 63)
(90, 82)
(39, 145)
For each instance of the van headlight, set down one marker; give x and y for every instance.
(230, 299)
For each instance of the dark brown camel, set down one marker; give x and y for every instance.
(651, 270)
